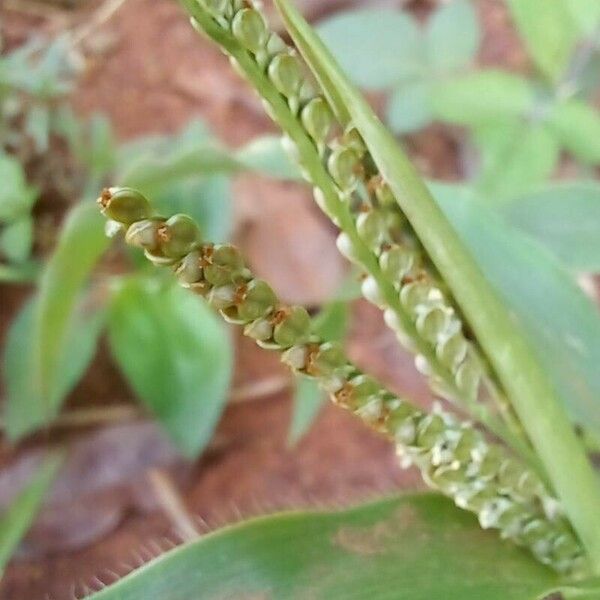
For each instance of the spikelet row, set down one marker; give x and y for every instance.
(453, 457)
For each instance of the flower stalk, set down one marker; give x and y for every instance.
(453, 457)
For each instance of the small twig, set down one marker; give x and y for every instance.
(100, 16)
(259, 388)
(172, 504)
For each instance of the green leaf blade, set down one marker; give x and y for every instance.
(564, 217)
(19, 516)
(416, 547)
(378, 47)
(452, 36)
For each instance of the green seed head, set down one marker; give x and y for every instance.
(250, 29)
(432, 323)
(397, 262)
(328, 358)
(224, 265)
(419, 293)
(257, 301)
(364, 389)
(189, 269)
(144, 234)
(260, 330)
(275, 45)
(124, 205)
(286, 74)
(429, 430)
(295, 357)
(372, 228)
(468, 376)
(222, 297)
(292, 327)
(343, 165)
(452, 350)
(179, 235)
(317, 119)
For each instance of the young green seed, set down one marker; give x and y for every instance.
(257, 300)
(124, 205)
(372, 229)
(222, 264)
(343, 165)
(144, 233)
(286, 74)
(317, 119)
(178, 236)
(292, 326)
(250, 29)
(397, 262)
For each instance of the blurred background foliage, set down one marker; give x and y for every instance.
(527, 143)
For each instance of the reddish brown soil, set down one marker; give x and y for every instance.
(153, 74)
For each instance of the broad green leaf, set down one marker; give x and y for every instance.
(25, 409)
(208, 200)
(19, 516)
(36, 125)
(585, 13)
(19, 273)
(378, 48)
(81, 243)
(481, 97)
(16, 196)
(577, 126)
(175, 354)
(534, 398)
(452, 36)
(549, 33)
(308, 401)
(16, 239)
(516, 157)
(416, 547)
(266, 155)
(562, 324)
(565, 217)
(409, 107)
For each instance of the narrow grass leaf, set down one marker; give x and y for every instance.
(24, 409)
(308, 400)
(19, 516)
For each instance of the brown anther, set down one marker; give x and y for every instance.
(358, 169)
(162, 234)
(280, 315)
(206, 255)
(105, 198)
(240, 294)
(312, 351)
(344, 395)
(364, 207)
(386, 246)
(374, 183)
